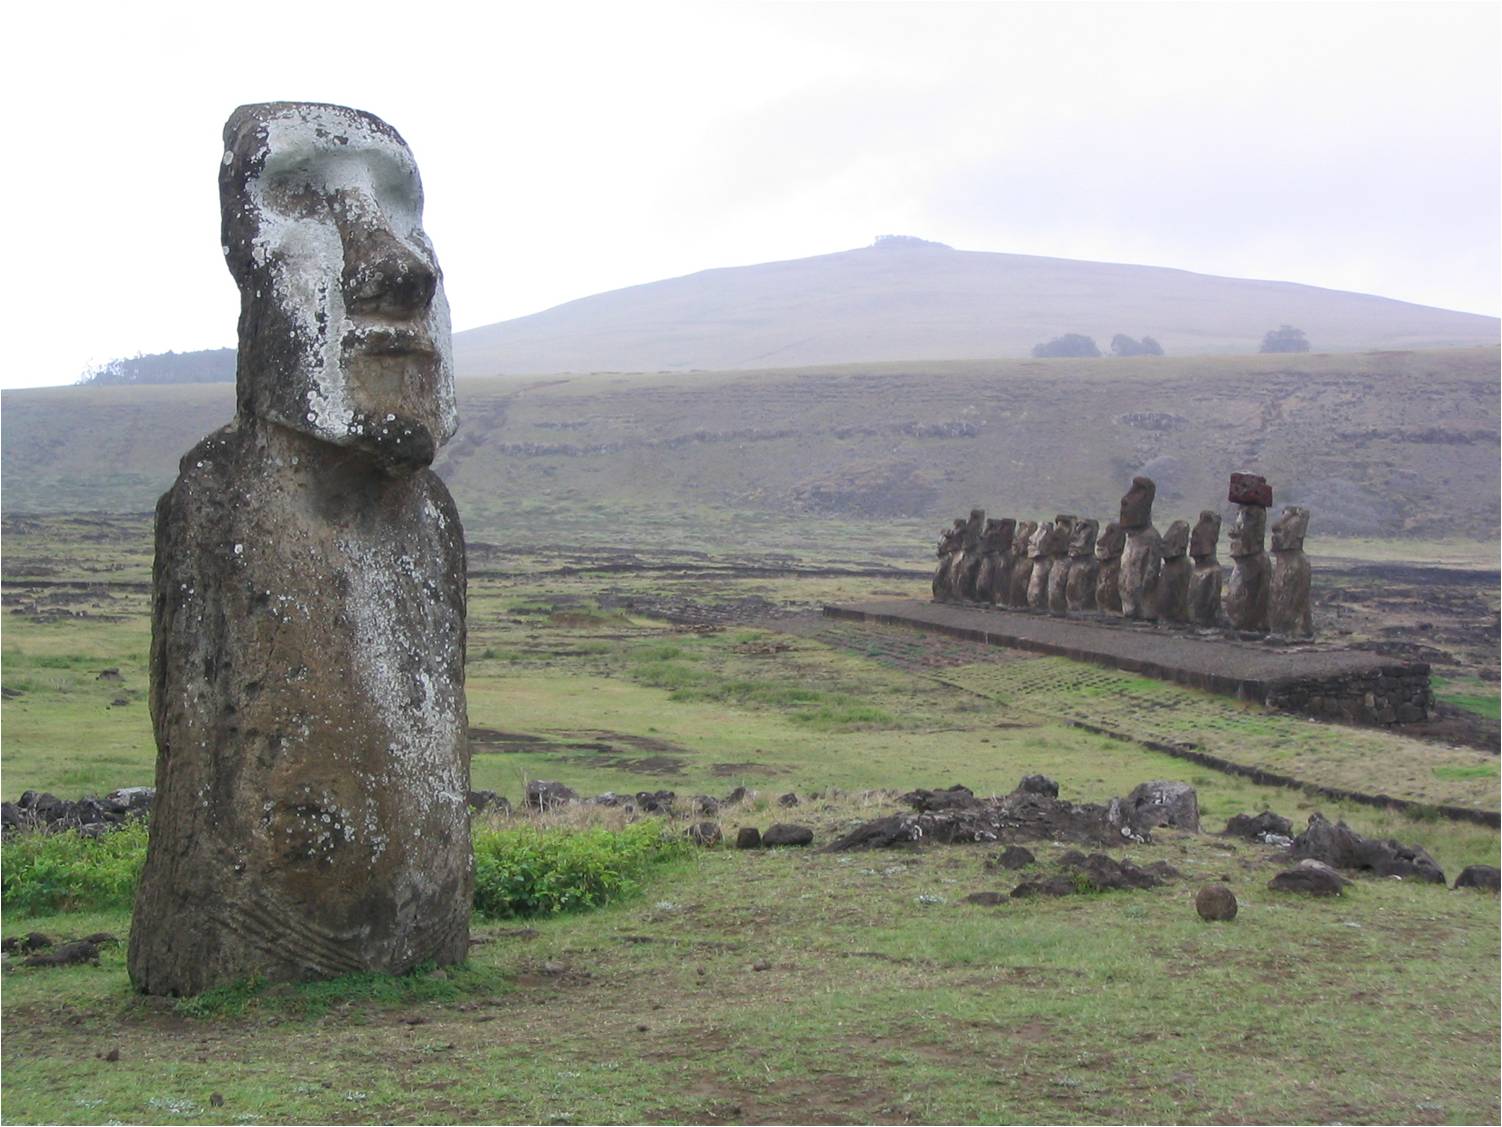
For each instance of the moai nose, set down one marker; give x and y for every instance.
(384, 276)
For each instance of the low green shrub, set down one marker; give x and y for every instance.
(528, 870)
(42, 872)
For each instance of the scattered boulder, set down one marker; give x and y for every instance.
(655, 801)
(736, 796)
(544, 795)
(1163, 803)
(488, 802)
(932, 801)
(1012, 857)
(1341, 847)
(748, 837)
(36, 941)
(1052, 886)
(787, 800)
(1215, 902)
(705, 805)
(1255, 827)
(89, 815)
(988, 899)
(1105, 874)
(704, 833)
(109, 675)
(69, 954)
(1310, 876)
(1484, 877)
(1039, 784)
(787, 833)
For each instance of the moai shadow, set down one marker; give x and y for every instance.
(1040, 551)
(1288, 597)
(950, 546)
(1247, 587)
(308, 608)
(1173, 577)
(996, 559)
(1058, 567)
(1205, 577)
(1108, 548)
(1022, 563)
(967, 569)
(1084, 570)
(1141, 558)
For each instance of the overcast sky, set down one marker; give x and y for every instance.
(570, 149)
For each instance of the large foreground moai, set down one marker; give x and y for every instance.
(1141, 557)
(1246, 589)
(996, 560)
(1108, 548)
(1058, 568)
(1288, 594)
(307, 654)
(1084, 569)
(1205, 578)
(1173, 577)
(1022, 562)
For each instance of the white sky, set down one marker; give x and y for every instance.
(569, 149)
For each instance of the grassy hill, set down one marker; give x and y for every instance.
(1387, 444)
(905, 299)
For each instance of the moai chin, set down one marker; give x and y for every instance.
(1079, 593)
(1022, 562)
(1040, 551)
(1058, 568)
(307, 653)
(1141, 557)
(1246, 590)
(1173, 577)
(996, 559)
(1205, 578)
(948, 552)
(968, 568)
(1288, 595)
(1108, 548)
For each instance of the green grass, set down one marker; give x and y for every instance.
(1469, 693)
(42, 872)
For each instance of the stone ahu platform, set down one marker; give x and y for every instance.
(1324, 681)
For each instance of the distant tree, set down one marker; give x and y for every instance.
(1123, 345)
(214, 365)
(1070, 344)
(1285, 338)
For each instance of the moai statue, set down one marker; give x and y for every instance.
(1246, 591)
(1204, 579)
(1288, 596)
(1022, 562)
(967, 570)
(1173, 578)
(1058, 567)
(996, 559)
(948, 552)
(1141, 558)
(307, 650)
(1079, 592)
(1040, 551)
(1108, 548)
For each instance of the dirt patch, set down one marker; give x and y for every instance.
(493, 741)
(735, 770)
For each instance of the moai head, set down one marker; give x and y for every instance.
(1110, 543)
(1247, 530)
(1082, 538)
(1290, 528)
(973, 529)
(955, 534)
(998, 537)
(1022, 539)
(1063, 526)
(1041, 542)
(344, 328)
(1175, 541)
(1137, 504)
(1206, 535)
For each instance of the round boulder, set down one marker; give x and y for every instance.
(1215, 902)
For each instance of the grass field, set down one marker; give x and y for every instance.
(882, 995)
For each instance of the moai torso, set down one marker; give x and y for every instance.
(1204, 577)
(1141, 557)
(949, 550)
(1288, 609)
(307, 657)
(1108, 548)
(1246, 589)
(968, 567)
(996, 560)
(1040, 551)
(1173, 577)
(1083, 569)
(1022, 562)
(1058, 567)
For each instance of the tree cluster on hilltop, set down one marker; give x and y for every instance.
(213, 365)
(1077, 344)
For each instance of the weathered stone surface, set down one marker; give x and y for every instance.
(995, 577)
(1083, 570)
(1012, 857)
(1288, 610)
(1215, 902)
(1039, 784)
(1484, 877)
(1108, 548)
(1250, 489)
(1246, 590)
(1022, 563)
(967, 569)
(1059, 566)
(949, 550)
(307, 658)
(1254, 827)
(1173, 579)
(1163, 802)
(543, 794)
(1312, 877)
(1137, 504)
(704, 833)
(748, 837)
(787, 833)
(1040, 551)
(1202, 604)
(1341, 847)
(1142, 556)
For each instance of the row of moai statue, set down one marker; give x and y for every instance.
(1130, 569)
